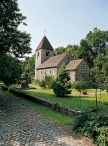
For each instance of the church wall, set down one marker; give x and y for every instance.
(42, 72)
(82, 71)
(65, 60)
(41, 56)
(72, 75)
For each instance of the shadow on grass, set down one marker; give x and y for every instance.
(80, 102)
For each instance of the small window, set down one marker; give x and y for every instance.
(50, 71)
(41, 72)
(47, 53)
(38, 54)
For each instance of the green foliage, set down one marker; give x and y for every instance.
(79, 85)
(12, 40)
(93, 126)
(60, 90)
(106, 87)
(59, 50)
(42, 83)
(10, 70)
(28, 66)
(100, 69)
(62, 87)
(47, 82)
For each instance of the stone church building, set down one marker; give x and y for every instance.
(48, 64)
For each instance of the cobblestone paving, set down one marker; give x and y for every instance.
(22, 126)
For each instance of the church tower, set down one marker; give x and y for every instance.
(43, 52)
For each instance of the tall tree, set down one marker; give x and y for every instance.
(73, 50)
(12, 41)
(94, 43)
(28, 66)
(59, 50)
(10, 69)
(100, 70)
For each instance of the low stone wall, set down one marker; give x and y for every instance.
(54, 105)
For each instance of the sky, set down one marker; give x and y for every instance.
(66, 21)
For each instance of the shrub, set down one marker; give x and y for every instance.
(49, 81)
(106, 87)
(84, 91)
(93, 126)
(62, 87)
(79, 85)
(42, 84)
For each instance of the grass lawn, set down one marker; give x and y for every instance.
(85, 101)
(71, 100)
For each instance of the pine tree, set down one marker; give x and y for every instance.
(62, 87)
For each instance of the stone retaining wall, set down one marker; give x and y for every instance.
(54, 105)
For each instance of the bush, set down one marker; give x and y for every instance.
(63, 84)
(93, 126)
(79, 85)
(47, 82)
(106, 87)
(42, 84)
(60, 90)
(84, 91)
(5, 88)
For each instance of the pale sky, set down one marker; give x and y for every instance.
(66, 21)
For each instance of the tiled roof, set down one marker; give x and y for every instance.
(52, 61)
(72, 65)
(44, 44)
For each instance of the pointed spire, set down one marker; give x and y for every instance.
(44, 44)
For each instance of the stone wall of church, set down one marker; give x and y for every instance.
(41, 56)
(82, 71)
(41, 73)
(65, 60)
(72, 75)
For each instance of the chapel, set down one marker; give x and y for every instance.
(48, 64)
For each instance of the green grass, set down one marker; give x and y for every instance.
(47, 112)
(73, 99)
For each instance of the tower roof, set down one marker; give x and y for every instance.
(44, 44)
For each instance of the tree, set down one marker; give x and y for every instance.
(10, 69)
(12, 41)
(28, 66)
(94, 43)
(62, 86)
(100, 70)
(73, 50)
(59, 50)
(94, 85)
(79, 85)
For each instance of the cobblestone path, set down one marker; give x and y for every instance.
(22, 126)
